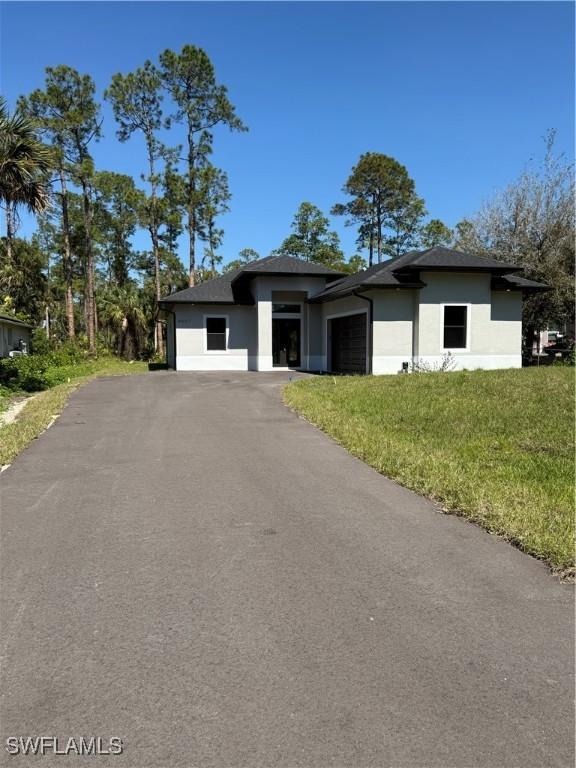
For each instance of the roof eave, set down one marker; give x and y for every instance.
(362, 288)
(168, 301)
(503, 270)
(15, 321)
(512, 288)
(249, 274)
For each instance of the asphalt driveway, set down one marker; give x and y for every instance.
(189, 566)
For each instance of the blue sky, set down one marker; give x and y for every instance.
(459, 92)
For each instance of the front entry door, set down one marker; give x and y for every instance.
(286, 342)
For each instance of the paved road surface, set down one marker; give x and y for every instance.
(189, 566)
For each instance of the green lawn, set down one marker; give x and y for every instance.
(45, 406)
(495, 446)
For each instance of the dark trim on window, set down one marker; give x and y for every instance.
(455, 326)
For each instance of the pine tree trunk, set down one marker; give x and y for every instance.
(211, 246)
(9, 231)
(89, 257)
(191, 209)
(379, 232)
(129, 342)
(67, 259)
(192, 245)
(158, 336)
(371, 249)
(153, 229)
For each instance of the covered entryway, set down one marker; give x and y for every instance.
(286, 342)
(348, 344)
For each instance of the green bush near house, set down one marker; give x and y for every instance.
(495, 446)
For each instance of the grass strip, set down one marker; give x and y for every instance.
(494, 446)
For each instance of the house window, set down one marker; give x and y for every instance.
(455, 327)
(293, 309)
(216, 334)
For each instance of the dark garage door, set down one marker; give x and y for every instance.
(348, 345)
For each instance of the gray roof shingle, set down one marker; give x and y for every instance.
(227, 289)
(215, 291)
(15, 321)
(515, 281)
(399, 272)
(375, 277)
(440, 257)
(287, 265)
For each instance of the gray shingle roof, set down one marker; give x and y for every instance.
(399, 272)
(440, 257)
(286, 265)
(216, 291)
(376, 276)
(15, 321)
(227, 290)
(515, 281)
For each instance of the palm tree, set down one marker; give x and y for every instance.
(24, 165)
(122, 312)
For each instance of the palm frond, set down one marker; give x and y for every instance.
(24, 162)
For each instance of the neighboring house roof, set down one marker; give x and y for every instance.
(231, 287)
(14, 321)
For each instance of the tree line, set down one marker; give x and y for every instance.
(91, 276)
(530, 223)
(81, 274)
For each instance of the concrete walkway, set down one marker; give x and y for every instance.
(189, 566)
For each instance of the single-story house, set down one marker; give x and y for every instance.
(14, 335)
(285, 313)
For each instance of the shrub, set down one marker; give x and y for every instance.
(446, 364)
(27, 372)
(40, 344)
(32, 373)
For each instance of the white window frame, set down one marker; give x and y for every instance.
(456, 350)
(205, 334)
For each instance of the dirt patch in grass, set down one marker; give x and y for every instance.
(494, 446)
(10, 414)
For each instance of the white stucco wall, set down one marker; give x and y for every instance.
(494, 320)
(408, 324)
(268, 289)
(393, 313)
(393, 317)
(249, 327)
(191, 338)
